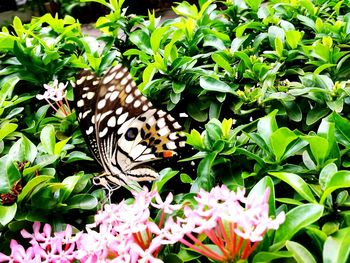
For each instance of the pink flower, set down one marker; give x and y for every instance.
(165, 206)
(57, 93)
(220, 215)
(20, 255)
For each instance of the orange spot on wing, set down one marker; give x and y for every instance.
(167, 154)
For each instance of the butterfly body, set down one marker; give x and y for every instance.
(123, 130)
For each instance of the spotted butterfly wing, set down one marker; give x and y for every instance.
(122, 128)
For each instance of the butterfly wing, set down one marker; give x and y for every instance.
(85, 94)
(130, 132)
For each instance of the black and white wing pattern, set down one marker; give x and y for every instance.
(122, 128)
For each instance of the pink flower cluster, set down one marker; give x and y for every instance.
(235, 224)
(45, 246)
(57, 93)
(223, 225)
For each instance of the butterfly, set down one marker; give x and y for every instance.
(123, 130)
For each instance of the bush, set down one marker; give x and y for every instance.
(266, 88)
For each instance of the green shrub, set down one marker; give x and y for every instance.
(266, 86)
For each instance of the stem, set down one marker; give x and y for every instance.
(69, 110)
(246, 249)
(233, 237)
(148, 237)
(239, 246)
(217, 241)
(51, 104)
(63, 107)
(253, 247)
(223, 231)
(205, 252)
(139, 240)
(161, 220)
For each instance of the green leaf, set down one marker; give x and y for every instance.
(48, 139)
(211, 84)
(33, 186)
(326, 174)
(237, 43)
(339, 180)
(59, 146)
(300, 253)
(23, 150)
(69, 184)
(77, 156)
(253, 4)
(267, 126)
(7, 85)
(307, 21)
(164, 176)
(298, 184)
(323, 67)
(279, 47)
(342, 129)
(172, 258)
(337, 247)
(204, 179)
(6, 129)
(293, 38)
(141, 40)
(221, 61)
(279, 141)
(178, 87)
(82, 201)
(195, 139)
(276, 32)
(185, 178)
(263, 257)
(7, 214)
(296, 219)
(319, 147)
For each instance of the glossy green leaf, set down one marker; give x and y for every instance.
(279, 140)
(211, 84)
(7, 214)
(300, 253)
(338, 180)
(296, 219)
(223, 62)
(342, 129)
(237, 43)
(195, 139)
(253, 4)
(337, 247)
(156, 37)
(82, 201)
(204, 179)
(326, 174)
(267, 126)
(7, 129)
(164, 176)
(263, 257)
(298, 184)
(77, 156)
(69, 184)
(23, 150)
(48, 139)
(293, 38)
(141, 40)
(33, 186)
(319, 147)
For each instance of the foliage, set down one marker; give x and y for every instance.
(266, 86)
